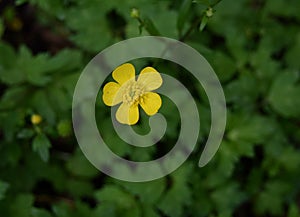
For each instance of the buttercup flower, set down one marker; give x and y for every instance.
(132, 92)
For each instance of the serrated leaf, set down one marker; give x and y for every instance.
(65, 60)
(9, 74)
(41, 145)
(91, 31)
(251, 129)
(227, 197)
(42, 106)
(125, 203)
(284, 94)
(174, 200)
(270, 200)
(13, 96)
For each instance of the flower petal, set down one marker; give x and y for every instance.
(150, 79)
(127, 114)
(111, 95)
(150, 102)
(124, 73)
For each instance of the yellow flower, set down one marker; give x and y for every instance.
(36, 119)
(131, 92)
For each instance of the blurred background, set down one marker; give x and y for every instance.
(254, 48)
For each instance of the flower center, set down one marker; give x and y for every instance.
(133, 92)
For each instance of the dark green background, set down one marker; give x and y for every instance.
(253, 46)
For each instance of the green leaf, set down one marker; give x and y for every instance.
(61, 210)
(124, 203)
(293, 54)
(203, 23)
(41, 145)
(8, 73)
(82, 209)
(13, 96)
(282, 8)
(12, 122)
(203, 2)
(3, 188)
(34, 67)
(106, 209)
(66, 60)
(79, 188)
(284, 94)
(59, 98)
(117, 145)
(214, 2)
(223, 65)
(293, 210)
(289, 158)
(243, 91)
(19, 2)
(150, 27)
(21, 206)
(149, 211)
(88, 22)
(270, 199)
(64, 128)
(80, 166)
(227, 197)
(25, 134)
(250, 129)
(227, 159)
(167, 29)
(148, 192)
(36, 212)
(174, 200)
(8, 57)
(40, 103)
(183, 14)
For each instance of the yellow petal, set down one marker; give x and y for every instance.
(127, 114)
(111, 95)
(150, 79)
(124, 73)
(150, 102)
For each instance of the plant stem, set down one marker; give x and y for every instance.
(192, 27)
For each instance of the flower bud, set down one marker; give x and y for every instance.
(36, 119)
(209, 12)
(135, 13)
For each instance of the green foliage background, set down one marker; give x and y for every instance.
(254, 47)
